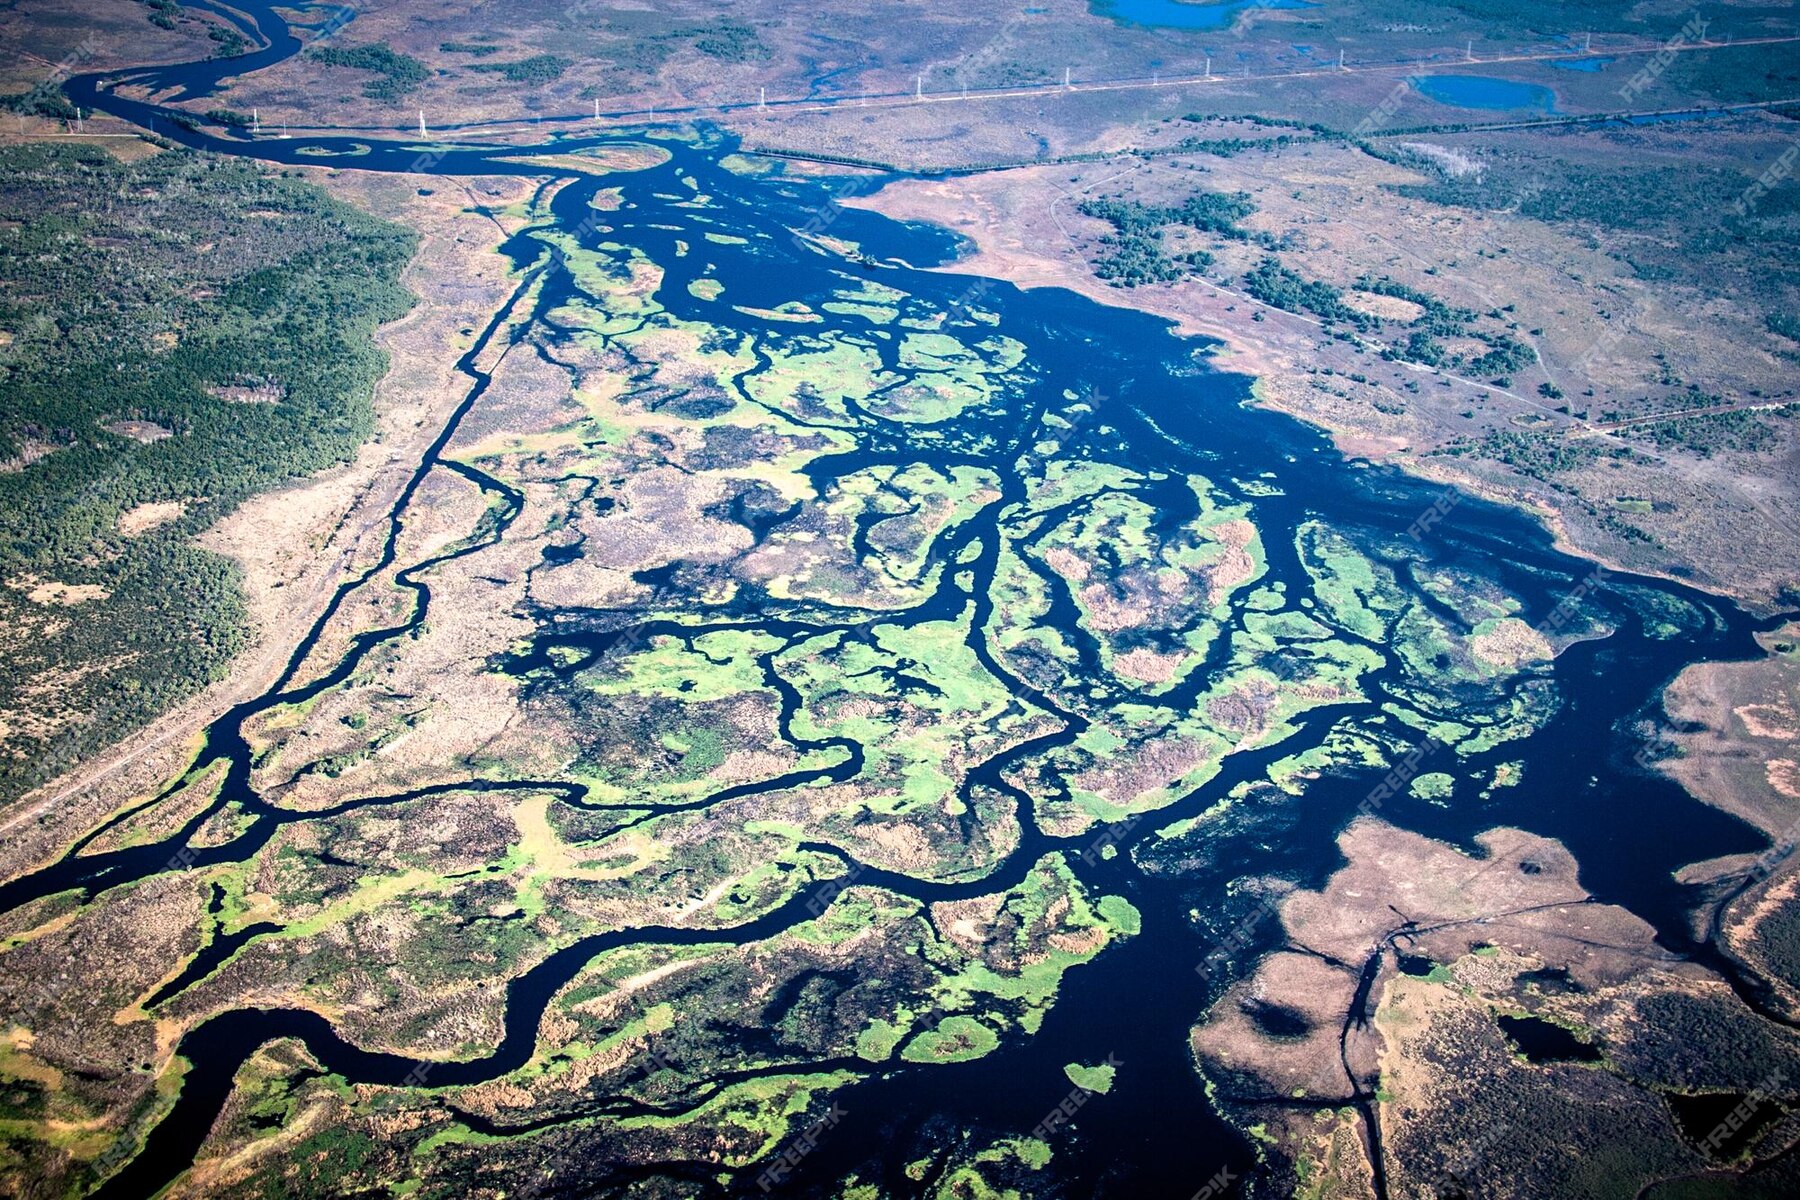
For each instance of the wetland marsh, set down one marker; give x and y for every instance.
(806, 695)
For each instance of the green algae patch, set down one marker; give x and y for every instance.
(1118, 912)
(1433, 785)
(872, 313)
(1044, 926)
(1098, 1078)
(769, 1107)
(973, 1176)
(955, 1039)
(712, 666)
(878, 1040)
(753, 166)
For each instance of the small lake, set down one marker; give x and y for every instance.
(1482, 91)
(1174, 14)
(1661, 118)
(1724, 1124)
(1544, 1041)
(1590, 65)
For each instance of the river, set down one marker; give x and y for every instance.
(1155, 1133)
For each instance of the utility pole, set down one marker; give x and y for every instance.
(1470, 52)
(1065, 77)
(762, 97)
(1587, 43)
(596, 108)
(80, 125)
(422, 132)
(1156, 79)
(1340, 58)
(919, 87)
(255, 123)
(1209, 66)
(1703, 24)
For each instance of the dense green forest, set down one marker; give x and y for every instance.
(539, 68)
(184, 329)
(1279, 287)
(397, 74)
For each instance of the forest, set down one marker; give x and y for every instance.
(182, 332)
(396, 73)
(1135, 250)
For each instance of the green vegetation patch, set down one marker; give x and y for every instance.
(1098, 1078)
(539, 68)
(1137, 250)
(399, 73)
(955, 1039)
(167, 358)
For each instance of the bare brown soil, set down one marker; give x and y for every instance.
(1513, 933)
(1737, 730)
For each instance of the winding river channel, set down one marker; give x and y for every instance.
(1154, 1134)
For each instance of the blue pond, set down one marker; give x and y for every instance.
(1174, 14)
(1661, 118)
(1589, 65)
(1480, 91)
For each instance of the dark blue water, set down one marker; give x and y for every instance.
(1582, 64)
(1155, 1134)
(1481, 91)
(1175, 14)
(1544, 1041)
(1665, 118)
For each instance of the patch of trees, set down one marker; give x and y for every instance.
(44, 100)
(1538, 455)
(1707, 1041)
(1419, 347)
(166, 14)
(1439, 319)
(727, 40)
(1505, 355)
(1227, 147)
(231, 42)
(539, 68)
(1279, 287)
(399, 73)
(116, 313)
(1707, 434)
(1135, 249)
(1263, 122)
